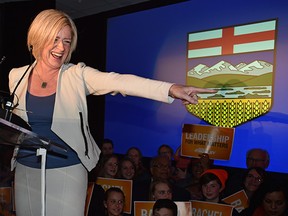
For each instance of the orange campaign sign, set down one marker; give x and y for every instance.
(208, 208)
(212, 140)
(123, 184)
(89, 194)
(144, 208)
(238, 200)
(5, 201)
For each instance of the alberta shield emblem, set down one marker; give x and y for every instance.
(239, 62)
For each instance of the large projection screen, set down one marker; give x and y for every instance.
(153, 44)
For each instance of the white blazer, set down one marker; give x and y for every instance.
(70, 117)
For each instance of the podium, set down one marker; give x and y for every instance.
(14, 135)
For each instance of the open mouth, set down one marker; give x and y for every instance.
(56, 55)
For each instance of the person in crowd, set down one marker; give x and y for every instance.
(257, 157)
(255, 182)
(160, 169)
(160, 189)
(164, 207)
(213, 183)
(274, 200)
(109, 166)
(107, 147)
(114, 201)
(126, 169)
(165, 150)
(187, 175)
(51, 94)
(142, 174)
(253, 179)
(181, 163)
(197, 167)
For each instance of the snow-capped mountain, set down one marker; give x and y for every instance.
(255, 68)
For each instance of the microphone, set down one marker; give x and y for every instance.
(9, 106)
(2, 59)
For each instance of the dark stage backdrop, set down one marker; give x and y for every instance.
(15, 18)
(152, 43)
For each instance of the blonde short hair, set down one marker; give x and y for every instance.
(44, 29)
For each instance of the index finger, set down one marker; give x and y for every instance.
(205, 90)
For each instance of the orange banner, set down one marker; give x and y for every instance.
(124, 185)
(212, 140)
(89, 194)
(145, 208)
(208, 208)
(5, 201)
(238, 200)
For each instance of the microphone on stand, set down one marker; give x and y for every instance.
(5, 97)
(2, 98)
(9, 106)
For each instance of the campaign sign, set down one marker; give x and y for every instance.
(89, 194)
(5, 201)
(238, 200)
(212, 140)
(209, 208)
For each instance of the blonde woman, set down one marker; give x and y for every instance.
(52, 100)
